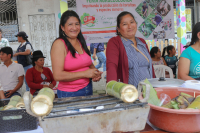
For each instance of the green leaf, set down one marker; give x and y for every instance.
(153, 98)
(174, 104)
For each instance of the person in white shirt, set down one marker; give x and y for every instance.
(24, 49)
(11, 73)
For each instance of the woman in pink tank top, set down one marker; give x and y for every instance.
(71, 62)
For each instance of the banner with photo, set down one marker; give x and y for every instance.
(98, 17)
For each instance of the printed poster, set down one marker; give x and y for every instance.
(98, 17)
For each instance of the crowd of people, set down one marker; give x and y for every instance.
(12, 74)
(33, 73)
(127, 60)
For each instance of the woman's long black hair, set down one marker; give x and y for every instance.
(195, 31)
(168, 48)
(153, 51)
(65, 16)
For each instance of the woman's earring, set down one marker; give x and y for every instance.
(64, 34)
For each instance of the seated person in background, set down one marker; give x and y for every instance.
(11, 73)
(38, 76)
(158, 60)
(189, 62)
(156, 57)
(170, 58)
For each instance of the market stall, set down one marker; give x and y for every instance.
(106, 113)
(118, 110)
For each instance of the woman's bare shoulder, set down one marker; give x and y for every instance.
(57, 42)
(58, 47)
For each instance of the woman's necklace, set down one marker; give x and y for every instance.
(80, 47)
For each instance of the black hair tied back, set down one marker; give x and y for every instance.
(167, 48)
(153, 51)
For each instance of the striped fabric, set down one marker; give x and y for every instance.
(139, 67)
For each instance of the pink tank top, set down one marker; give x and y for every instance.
(82, 62)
